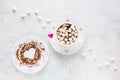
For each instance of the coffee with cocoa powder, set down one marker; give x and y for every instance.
(30, 54)
(67, 33)
(23, 47)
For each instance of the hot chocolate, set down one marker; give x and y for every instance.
(67, 33)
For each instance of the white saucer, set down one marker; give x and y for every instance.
(41, 63)
(68, 49)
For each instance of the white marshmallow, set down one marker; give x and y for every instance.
(43, 25)
(115, 68)
(65, 28)
(36, 12)
(83, 54)
(66, 34)
(107, 64)
(65, 39)
(73, 32)
(90, 48)
(39, 18)
(23, 16)
(94, 57)
(112, 60)
(14, 9)
(67, 20)
(48, 21)
(70, 39)
(100, 66)
(28, 12)
(69, 30)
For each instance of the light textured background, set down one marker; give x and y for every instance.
(101, 20)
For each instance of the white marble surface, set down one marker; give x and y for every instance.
(101, 20)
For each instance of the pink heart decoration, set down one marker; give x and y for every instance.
(50, 35)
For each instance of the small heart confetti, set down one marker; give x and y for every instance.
(50, 35)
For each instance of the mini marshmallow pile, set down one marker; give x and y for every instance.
(67, 33)
(36, 13)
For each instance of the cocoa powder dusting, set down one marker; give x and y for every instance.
(25, 47)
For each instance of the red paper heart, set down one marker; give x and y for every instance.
(50, 35)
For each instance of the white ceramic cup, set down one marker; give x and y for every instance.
(69, 48)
